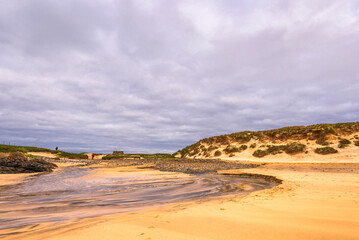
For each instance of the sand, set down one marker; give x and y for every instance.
(43, 154)
(9, 179)
(315, 201)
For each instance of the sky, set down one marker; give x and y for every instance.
(156, 76)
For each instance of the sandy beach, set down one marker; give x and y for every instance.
(315, 201)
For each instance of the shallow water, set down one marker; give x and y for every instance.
(74, 193)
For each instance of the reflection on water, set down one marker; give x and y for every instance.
(74, 193)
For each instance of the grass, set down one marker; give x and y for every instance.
(141, 155)
(356, 143)
(25, 149)
(325, 150)
(318, 133)
(72, 155)
(30, 156)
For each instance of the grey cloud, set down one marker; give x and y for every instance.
(157, 76)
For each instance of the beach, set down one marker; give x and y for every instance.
(315, 201)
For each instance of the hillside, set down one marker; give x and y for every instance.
(32, 152)
(320, 141)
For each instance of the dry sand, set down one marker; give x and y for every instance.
(315, 201)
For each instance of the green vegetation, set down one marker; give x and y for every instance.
(260, 153)
(325, 150)
(230, 149)
(217, 153)
(319, 133)
(112, 156)
(23, 149)
(141, 155)
(72, 155)
(253, 145)
(30, 156)
(291, 148)
(343, 143)
(356, 143)
(322, 140)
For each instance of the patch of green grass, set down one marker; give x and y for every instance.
(12, 148)
(111, 156)
(325, 150)
(72, 155)
(30, 156)
(156, 155)
(141, 155)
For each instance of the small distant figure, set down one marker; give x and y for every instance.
(93, 155)
(57, 148)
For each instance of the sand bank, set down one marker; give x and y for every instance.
(9, 179)
(312, 203)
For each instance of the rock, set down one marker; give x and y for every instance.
(18, 163)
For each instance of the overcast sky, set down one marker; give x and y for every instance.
(156, 76)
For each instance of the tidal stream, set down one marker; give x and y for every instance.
(74, 193)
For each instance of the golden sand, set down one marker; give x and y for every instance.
(314, 202)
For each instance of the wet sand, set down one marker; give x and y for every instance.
(49, 200)
(312, 203)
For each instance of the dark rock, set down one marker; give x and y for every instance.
(18, 163)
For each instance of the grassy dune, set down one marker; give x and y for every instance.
(26, 149)
(320, 138)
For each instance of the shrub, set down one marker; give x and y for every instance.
(340, 145)
(291, 148)
(260, 153)
(230, 149)
(211, 148)
(217, 153)
(344, 141)
(253, 145)
(356, 143)
(243, 147)
(294, 148)
(325, 150)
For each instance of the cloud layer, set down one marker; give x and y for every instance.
(154, 77)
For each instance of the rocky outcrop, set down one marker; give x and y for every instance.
(18, 163)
